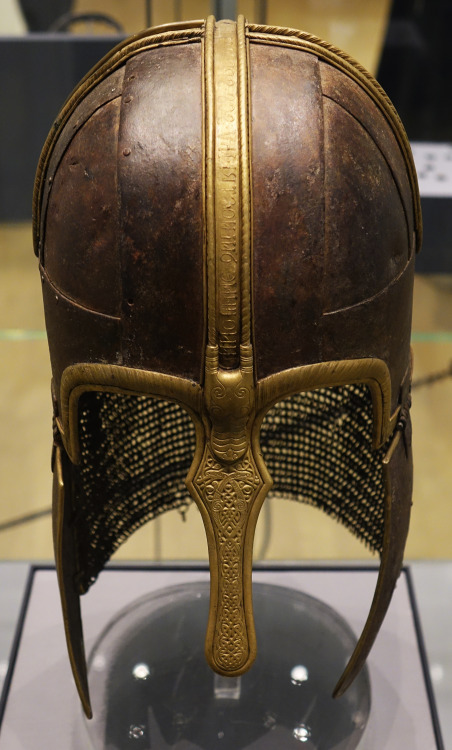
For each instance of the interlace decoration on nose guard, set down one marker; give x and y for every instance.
(226, 485)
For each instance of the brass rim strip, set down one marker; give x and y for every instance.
(114, 378)
(245, 195)
(209, 177)
(373, 372)
(77, 379)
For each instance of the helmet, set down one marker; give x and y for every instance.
(226, 217)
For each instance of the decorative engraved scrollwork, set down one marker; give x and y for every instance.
(229, 396)
(228, 493)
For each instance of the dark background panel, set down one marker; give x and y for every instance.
(416, 71)
(436, 254)
(37, 74)
(416, 67)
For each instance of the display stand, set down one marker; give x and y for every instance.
(150, 681)
(151, 687)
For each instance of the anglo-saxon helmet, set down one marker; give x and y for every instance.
(226, 217)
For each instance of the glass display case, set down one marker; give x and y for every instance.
(152, 688)
(404, 43)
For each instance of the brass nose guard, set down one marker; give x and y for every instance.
(227, 485)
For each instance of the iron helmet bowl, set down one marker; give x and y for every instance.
(226, 217)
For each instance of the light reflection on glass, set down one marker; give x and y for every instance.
(136, 731)
(299, 674)
(302, 733)
(269, 720)
(437, 672)
(359, 719)
(99, 663)
(141, 671)
(227, 688)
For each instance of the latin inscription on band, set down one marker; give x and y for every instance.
(227, 195)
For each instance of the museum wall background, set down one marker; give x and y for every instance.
(286, 530)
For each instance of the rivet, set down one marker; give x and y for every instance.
(126, 152)
(50, 180)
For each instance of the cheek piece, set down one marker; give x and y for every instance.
(226, 217)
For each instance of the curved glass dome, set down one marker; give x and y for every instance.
(153, 690)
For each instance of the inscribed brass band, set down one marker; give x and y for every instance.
(226, 199)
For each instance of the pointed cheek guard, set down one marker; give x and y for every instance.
(226, 217)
